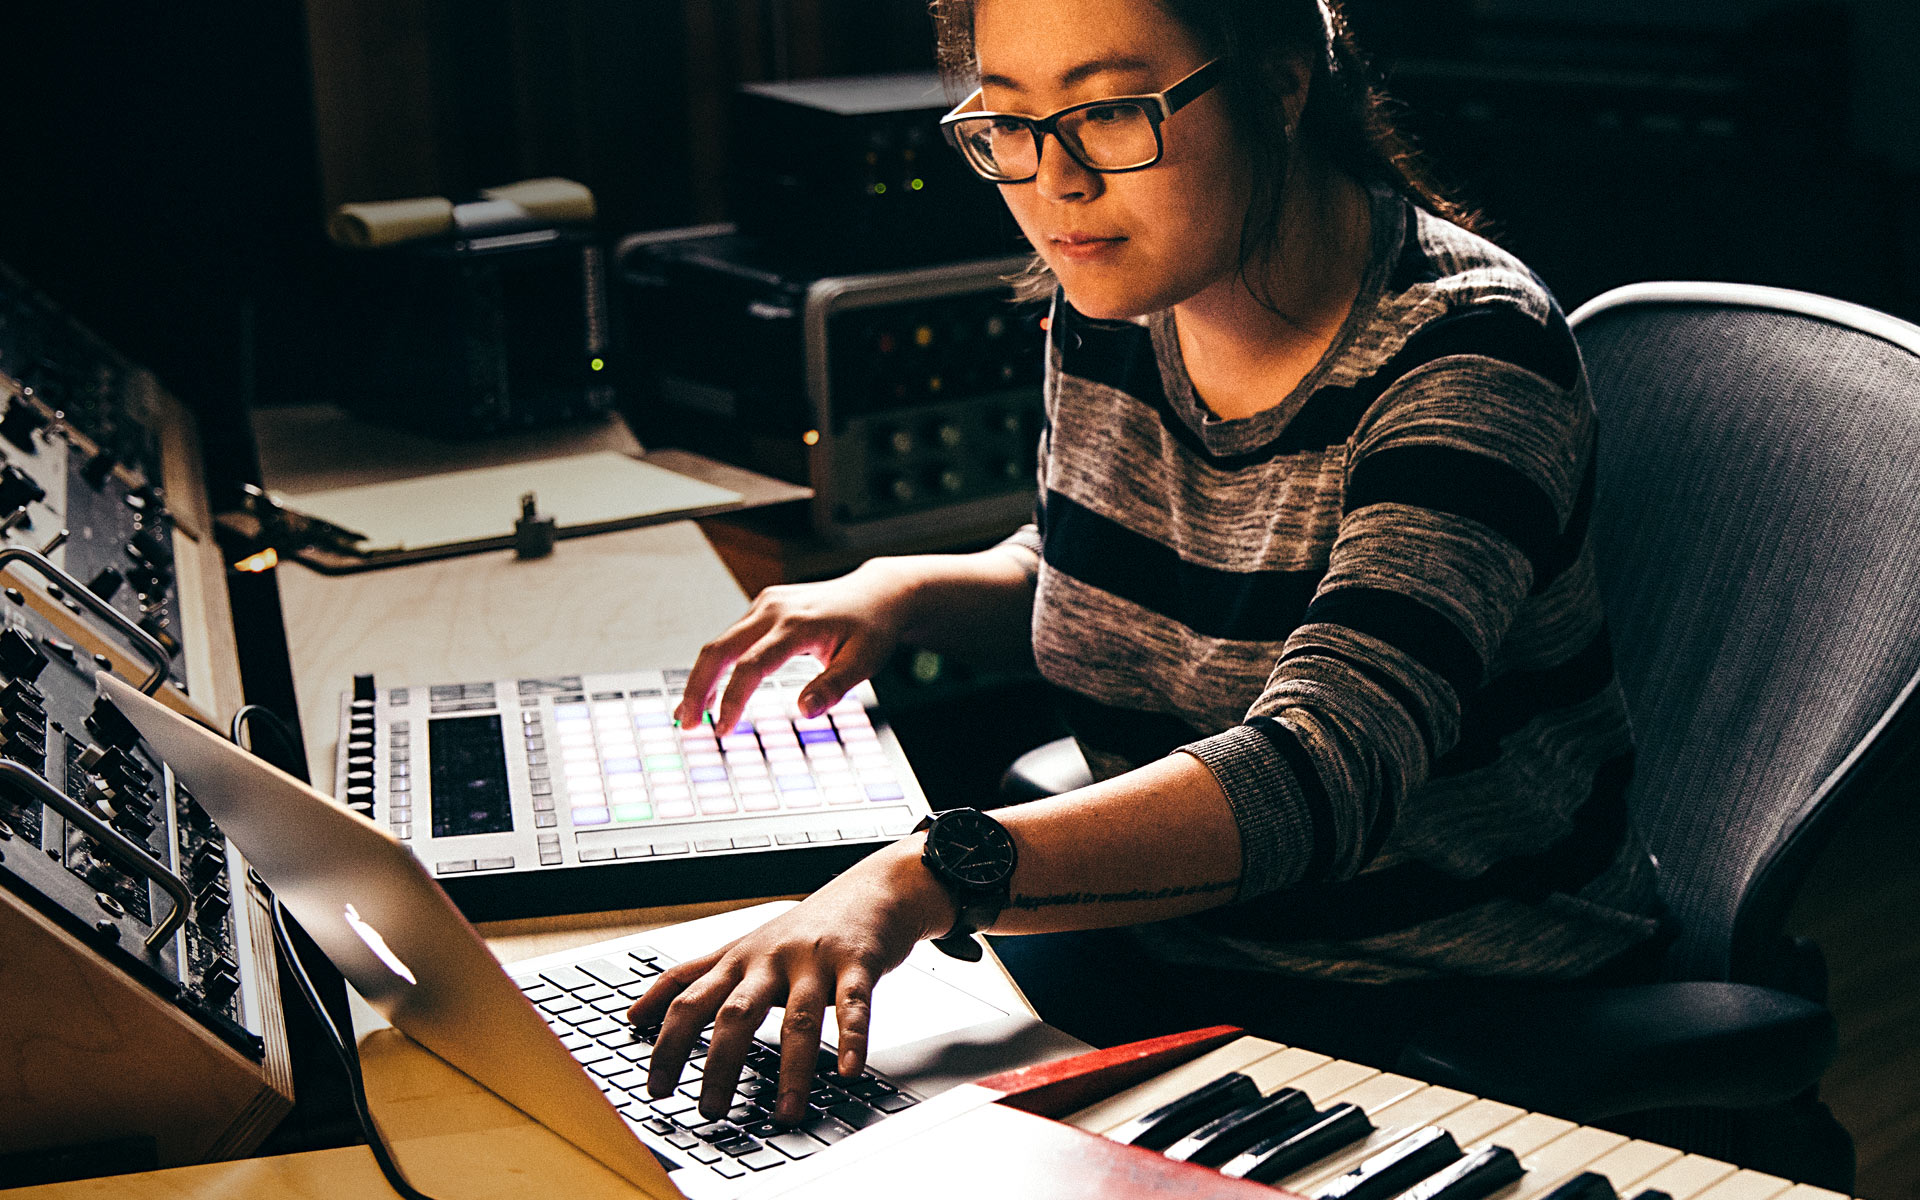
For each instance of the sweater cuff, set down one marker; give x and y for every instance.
(1027, 538)
(1276, 834)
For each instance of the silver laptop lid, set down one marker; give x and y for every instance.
(369, 904)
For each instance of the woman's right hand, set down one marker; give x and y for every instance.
(851, 624)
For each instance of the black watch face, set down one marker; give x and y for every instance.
(972, 847)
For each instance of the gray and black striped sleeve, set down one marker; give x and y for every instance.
(1462, 482)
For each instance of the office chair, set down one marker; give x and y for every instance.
(1757, 537)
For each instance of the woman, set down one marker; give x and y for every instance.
(1309, 569)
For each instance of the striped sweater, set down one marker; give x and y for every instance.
(1370, 610)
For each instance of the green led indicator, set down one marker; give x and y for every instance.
(917, 184)
(598, 364)
(632, 812)
(879, 189)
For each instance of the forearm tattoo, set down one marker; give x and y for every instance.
(1059, 899)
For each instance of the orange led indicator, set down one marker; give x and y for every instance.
(253, 564)
(811, 437)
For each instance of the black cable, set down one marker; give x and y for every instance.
(336, 1038)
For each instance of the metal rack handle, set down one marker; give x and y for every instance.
(117, 845)
(143, 642)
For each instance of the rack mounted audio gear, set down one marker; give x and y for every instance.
(142, 999)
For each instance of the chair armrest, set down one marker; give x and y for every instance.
(1588, 1054)
(1046, 771)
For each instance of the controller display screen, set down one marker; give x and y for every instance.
(469, 777)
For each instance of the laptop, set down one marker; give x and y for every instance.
(548, 1035)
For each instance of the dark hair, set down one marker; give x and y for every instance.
(1348, 116)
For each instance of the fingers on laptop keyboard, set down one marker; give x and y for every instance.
(800, 1029)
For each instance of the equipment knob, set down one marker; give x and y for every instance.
(213, 903)
(219, 985)
(18, 489)
(950, 481)
(19, 657)
(900, 441)
(950, 435)
(150, 546)
(21, 422)
(207, 866)
(110, 726)
(106, 583)
(155, 623)
(132, 824)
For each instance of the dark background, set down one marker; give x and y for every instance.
(169, 165)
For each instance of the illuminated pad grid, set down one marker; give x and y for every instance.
(622, 763)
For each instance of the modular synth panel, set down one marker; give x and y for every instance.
(576, 793)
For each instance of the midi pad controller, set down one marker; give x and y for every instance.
(575, 793)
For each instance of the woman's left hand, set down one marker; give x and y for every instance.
(828, 950)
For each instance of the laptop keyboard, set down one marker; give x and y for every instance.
(585, 1004)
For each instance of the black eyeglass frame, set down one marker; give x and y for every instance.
(1158, 106)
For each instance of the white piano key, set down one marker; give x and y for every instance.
(1686, 1176)
(1391, 1123)
(1473, 1125)
(1118, 1109)
(1560, 1160)
(1527, 1134)
(1323, 1083)
(1806, 1191)
(1372, 1095)
(1276, 1071)
(1625, 1166)
(1747, 1185)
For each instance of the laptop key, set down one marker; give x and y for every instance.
(793, 1145)
(659, 1126)
(574, 1041)
(540, 991)
(588, 995)
(893, 1103)
(682, 1140)
(673, 1106)
(704, 1154)
(738, 1146)
(853, 1113)
(608, 1066)
(567, 978)
(726, 1168)
(763, 1158)
(599, 1027)
(611, 1004)
(610, 971)
(825, 1129)
(630, 1079)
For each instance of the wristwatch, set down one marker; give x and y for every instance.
(972, 856)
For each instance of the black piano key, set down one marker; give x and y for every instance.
(1281, 1155)
(1395, 1169)
(1588, 1185)
(1221, 1139)
(1174, 1120)
(1472, 1178)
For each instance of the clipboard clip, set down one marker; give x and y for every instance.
(290, 531)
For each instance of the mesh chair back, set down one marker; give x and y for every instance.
(1757, 534)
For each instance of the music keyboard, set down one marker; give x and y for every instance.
(1013, 1137)
(1551, 1150)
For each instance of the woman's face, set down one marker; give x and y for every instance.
(1130, 243)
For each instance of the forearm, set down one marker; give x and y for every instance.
(1155, 843)
(977, 606)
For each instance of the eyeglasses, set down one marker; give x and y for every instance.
(1120, 133)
